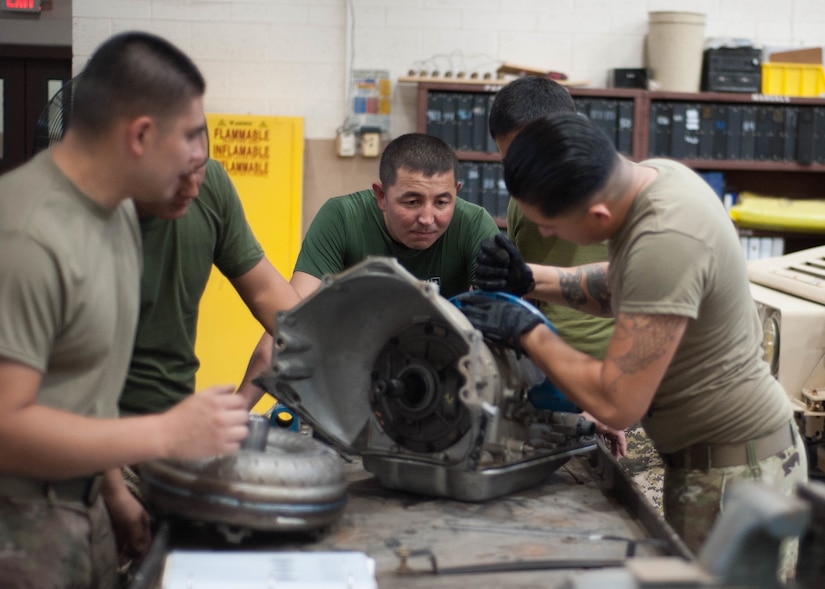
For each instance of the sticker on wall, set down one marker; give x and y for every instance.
(370, 105)
(242, 145)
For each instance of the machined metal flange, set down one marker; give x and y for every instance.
(294, 483)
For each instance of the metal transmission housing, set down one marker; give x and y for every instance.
(382, 366)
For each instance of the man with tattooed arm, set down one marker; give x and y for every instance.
(685, 355)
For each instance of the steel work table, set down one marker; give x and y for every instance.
(584, 510)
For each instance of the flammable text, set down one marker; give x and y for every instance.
(245, 167)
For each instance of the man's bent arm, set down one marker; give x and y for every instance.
(619, 390)
(48, 443)
(265, 292)
(304, 283)
(260, 361)
(584, 288)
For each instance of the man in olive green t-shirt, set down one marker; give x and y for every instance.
(204, 226)
(413, 214)
(516, 104)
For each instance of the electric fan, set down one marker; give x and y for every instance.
(54, 119)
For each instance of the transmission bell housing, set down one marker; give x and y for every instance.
(382, 366)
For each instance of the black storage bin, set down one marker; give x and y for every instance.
(732, 69)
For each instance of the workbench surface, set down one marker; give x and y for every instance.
(571, 515)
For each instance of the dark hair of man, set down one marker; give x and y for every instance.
(416, 152)
(557, 163)
(524, 100)
(130, 75)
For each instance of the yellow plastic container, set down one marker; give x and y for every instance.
(793, 79)
(778, 213)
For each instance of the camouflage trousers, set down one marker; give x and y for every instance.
(693, 498)
(56, 545)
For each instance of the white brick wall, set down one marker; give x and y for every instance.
(289, 57)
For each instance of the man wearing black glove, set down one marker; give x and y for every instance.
(500, 267)
(503, 264)
(499, 320)
(683, 355)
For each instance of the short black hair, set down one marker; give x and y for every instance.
(524, 100)
(132, 74)
(557, 163)
(416, 152)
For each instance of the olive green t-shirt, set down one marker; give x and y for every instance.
(583, 331)
(349, 228)
(177, 257)
(677, 253)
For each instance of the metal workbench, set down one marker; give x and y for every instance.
(587, 509)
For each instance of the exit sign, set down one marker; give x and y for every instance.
(20, 5)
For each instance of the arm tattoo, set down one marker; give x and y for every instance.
(649, 334)
(573, 290)
(598, 287)
(570, 284)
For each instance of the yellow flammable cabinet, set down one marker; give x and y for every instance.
(264, 157)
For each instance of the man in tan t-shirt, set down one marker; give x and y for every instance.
(685, 355)
(69, 293)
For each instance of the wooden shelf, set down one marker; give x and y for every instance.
(469, 83)
(768, 177)
(733, 97)
(752, 165)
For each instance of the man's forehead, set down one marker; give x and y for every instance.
(407, 174)
(422, 171)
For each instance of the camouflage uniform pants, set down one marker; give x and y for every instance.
(693, 498)
(56, 545)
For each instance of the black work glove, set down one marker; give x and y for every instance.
(500, 267)
(497, 319)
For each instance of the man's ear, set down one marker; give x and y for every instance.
(600, 211)
(380, 196)
(458, 186)
(138, 133)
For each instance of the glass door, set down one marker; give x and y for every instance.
(29, 77)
